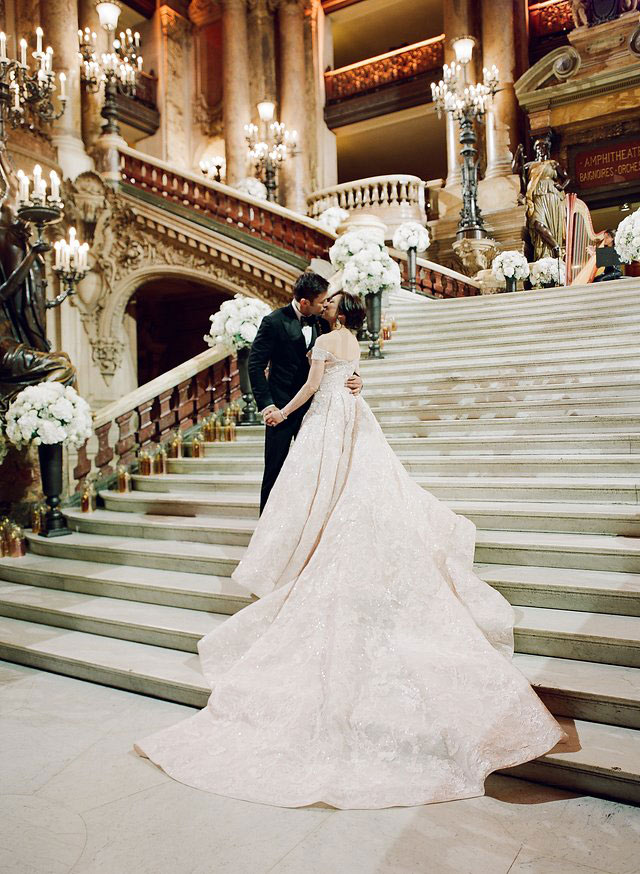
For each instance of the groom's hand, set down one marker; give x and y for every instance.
(274, 417)
(354, 384)
(267, 412)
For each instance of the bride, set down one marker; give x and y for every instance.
(375, 668)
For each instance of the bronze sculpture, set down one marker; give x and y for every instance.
(25, 353)
(543, 183)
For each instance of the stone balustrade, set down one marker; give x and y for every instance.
(268, 222)
(395, 66)
(434, 280)
(176, 400)
(394, 199)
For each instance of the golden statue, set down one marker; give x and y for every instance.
(544, 183)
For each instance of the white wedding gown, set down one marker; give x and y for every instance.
(375, 670)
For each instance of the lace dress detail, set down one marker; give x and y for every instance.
(375, 670)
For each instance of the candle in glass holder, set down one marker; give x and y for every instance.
(175, 447)
(36, 519)
(218, 429)
(123, 479)
(144, 463)
(86, 504)
(197, 446)
(160, 461)
(17, 542)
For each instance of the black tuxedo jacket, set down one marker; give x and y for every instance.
(281, 346)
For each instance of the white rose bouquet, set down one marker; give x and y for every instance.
(411, 235)
(49, 413)
(332, 217)
(367, 272)
(353, 243)
(547, 272)
(236, 323)
(510, 265)
(253, 187)
(628, 238)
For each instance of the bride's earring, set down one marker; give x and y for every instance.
(338, 325)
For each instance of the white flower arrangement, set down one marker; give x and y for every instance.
(353, 243)
(628, 238)
(236, 323)
(332, 217)
(367, 272)
(411, 235)
(253, 187)
(510, 264)
(49, 413)
(548, 271)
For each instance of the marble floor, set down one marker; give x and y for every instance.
(74, 799)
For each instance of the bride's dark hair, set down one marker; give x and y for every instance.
(353, 309)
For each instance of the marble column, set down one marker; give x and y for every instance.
(60, 25)
(293, 102)
(263, 53)
(458, 21)
(498, 47)
(236, 110)
(92, 121)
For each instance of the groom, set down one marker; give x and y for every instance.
(282, 344)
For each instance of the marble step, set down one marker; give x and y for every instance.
(565, 588)
(384, 389)
(404, 409)
(197, 558)
(498, 488)
(525, 586)
(501, 444)
(568, 634)
(585, 690)
(597, 759)
(487, 429)
(168, 588)
(420, 363)
(596, 552)
(431, 463)
(491, 515)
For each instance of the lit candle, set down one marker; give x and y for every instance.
(39, 34)
(3, 46)
(57, 247)
(49, 65)
(37, 182)
(16, 96)
(84, 257)
(23, 187)
(140, 63)
(55, 185)
(136, 37)
(63, 84)
(23, 52)
(80, 35)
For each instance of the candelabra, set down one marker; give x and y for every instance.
(116, 70)
(70, 266)
(39, 208)
(213, 167)
(26, 94)
(276, 145)
(466, 103)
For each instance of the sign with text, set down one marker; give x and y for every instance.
(609, 164)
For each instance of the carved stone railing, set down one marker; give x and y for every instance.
(392, 67)
(253, 219)
(393, 199)
(434, 280)
(176, 400)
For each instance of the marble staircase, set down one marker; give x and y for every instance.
(522, 412)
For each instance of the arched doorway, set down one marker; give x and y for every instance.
(169, 317)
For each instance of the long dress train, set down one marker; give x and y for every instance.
(375, 670)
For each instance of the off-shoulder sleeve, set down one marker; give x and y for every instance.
(318, 354)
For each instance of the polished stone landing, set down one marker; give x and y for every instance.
(75, 799)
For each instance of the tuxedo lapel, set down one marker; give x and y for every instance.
(294, 330)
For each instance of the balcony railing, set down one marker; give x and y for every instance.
(388, 69)
(257, 219)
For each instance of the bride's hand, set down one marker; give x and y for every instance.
(275, 417)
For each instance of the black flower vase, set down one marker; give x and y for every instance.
(50, 455)
(373, 303)
(512, 283)
(249, 414)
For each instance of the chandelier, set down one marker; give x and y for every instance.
(27, 92)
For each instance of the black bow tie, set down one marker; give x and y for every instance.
(307, 321)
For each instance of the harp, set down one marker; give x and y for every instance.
(581, 238)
